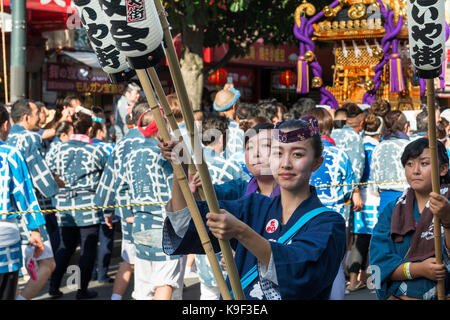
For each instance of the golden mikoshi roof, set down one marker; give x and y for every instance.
(353, 19)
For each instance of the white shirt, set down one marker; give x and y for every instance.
(9, 232)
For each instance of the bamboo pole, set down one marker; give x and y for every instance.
(172, 121)
(435, 179)
(202, 168)
(5, 71)
(184, 185)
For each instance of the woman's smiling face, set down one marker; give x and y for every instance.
(293, 163)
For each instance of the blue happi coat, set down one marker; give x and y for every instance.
(235, 142)
(231, 190)
(80, 165)
(183, 132)
(113, 189)
(366, 219)
(386, 167)
(149, 177)
(305, 267)
(17, 195)
(221, 171)
(30, 144)
(385, 256)
(106, 146)
(234, 151)
(108, 149)
(336, 171)
(352, 143)
(53, 146)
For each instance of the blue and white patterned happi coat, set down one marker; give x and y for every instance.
(149, 176)
(336, 169)
(53, 147)
(108, 149)
(221, 171)
(234, 151)
(45, 187)
(113, 189)
(352, 143)
(386, 166)
(235, 141)
(30, 144)
(366, 219)
(17, 195)
(80, 165)
(106, 146)
(183, 132)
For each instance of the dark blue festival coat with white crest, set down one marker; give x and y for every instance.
(305, 267)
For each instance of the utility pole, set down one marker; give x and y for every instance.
(18, 50)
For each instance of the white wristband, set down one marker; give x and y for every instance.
(408, 265)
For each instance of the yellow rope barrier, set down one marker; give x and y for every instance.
(359, 184)
(86, 208)
(163, 203)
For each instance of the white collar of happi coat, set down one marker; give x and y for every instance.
(371, 140)
(81, 137)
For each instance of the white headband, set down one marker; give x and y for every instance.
(83, 110)
(368, 133)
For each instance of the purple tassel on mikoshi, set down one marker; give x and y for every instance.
(396, 79)
(302, 76)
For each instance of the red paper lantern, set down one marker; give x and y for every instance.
(287, 78)
(219, 77)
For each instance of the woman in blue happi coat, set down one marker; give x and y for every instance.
(287, 247)
(17, 195)
(334, 182)
(402, 254)
(386, 172)
(62, 134)
(365, 220)
(99, 135)
(257, 151)
(80, 163)
(257, 141)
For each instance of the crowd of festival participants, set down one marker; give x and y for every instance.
(310, 198)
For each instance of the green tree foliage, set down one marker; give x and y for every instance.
(236, 23)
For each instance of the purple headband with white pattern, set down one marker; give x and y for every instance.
(310, 130)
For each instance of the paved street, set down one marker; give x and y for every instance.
(191, 290)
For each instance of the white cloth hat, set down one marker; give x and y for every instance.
(446, 114)
(324, 106)
(83, 110)
(364, 106)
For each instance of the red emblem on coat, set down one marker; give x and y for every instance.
(272, 225)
